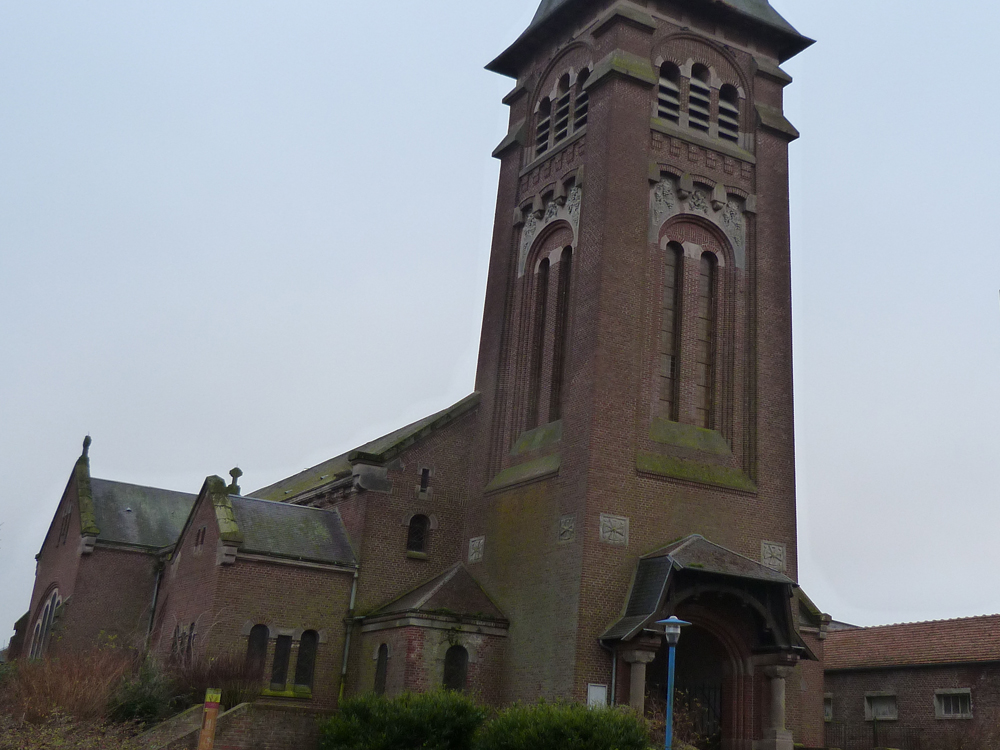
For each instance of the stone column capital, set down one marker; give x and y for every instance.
(777, 671)
(640, 650)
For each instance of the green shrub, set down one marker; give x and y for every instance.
(427, 721)
(144, 695)
(564, 726)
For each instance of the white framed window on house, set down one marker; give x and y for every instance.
(953, 703)
(880, 707)
(828, 707)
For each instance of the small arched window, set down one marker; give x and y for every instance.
(729, 113)
(538, 342)
(581, 106)
(456, 668)
(543, 126)
(305, 665)
(416, 535)
(699, 99)
(560, 126)
(706, 340)
(282, 655)
(381, 666)
(562, 325)
(257, 650)
(668, 98)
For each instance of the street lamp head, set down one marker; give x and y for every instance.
(672, 629)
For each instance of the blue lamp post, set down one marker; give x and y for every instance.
(672, 631)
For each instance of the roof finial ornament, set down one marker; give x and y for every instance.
(86, 445)
(235, 473)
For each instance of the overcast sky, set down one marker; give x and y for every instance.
(257, 233)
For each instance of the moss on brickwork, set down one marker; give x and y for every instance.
(218, 491)
(688, 436)
(529, 471)
(540, 437)
(692, 471)
(85, 498)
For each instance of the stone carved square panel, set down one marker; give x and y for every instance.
(614, 530)
(774, 556)
(476, 547)
(567, 529)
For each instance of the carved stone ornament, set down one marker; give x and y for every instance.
(665, 203)
(476, 547)
(614, 530)
(774, 556)
(567, 529)
(569, 211)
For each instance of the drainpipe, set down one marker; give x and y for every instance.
(613, 698)
(347, 636)
(152, 605)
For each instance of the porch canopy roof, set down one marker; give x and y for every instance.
(696, 555)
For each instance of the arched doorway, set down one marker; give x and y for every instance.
(702, 671)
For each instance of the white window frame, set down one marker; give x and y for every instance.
(870, 715)
(939, 704)
(827, 707)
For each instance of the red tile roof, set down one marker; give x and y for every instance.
(971, 639)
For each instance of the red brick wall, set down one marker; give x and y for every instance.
(914, 689)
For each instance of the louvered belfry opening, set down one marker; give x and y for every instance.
(729, 113)
(543, 126)
(700, 99)
(668, 98)
(581, 106)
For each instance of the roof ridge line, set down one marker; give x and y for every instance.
(914, 622)
(448, 575)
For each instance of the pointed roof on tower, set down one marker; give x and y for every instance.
(550, 13)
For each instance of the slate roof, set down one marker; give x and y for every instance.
(340, 466)
(962, 641)
(549, 12)
(453, 592)
(292, 531)
(139, 516)
(691, 553)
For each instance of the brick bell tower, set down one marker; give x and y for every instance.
(635, 457)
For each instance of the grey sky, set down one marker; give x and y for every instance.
(257, 233)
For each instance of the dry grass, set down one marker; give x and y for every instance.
(60, 732)
(77, 685)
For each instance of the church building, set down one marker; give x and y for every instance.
(627, 453)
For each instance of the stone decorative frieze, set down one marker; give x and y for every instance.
(476, 547)
(567, 529)
(555, 166)
(614, 530)
(557, 209)
(666, 202)
(774, 556)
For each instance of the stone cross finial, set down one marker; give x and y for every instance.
(86, 445)
(235, 473)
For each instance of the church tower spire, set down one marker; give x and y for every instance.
(635, 363)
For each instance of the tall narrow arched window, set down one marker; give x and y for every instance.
(543, 126)
(416, 535)
(668, 97)
(562, 324)
(257, 650)
(456, 668)
(560, 120)
(538, 342)
(581, 106)
(43, 626)
(381, 667)
(729, 113)
(669, 330)
(305, 665)
(706, 341)
(282, 655)
(699, 99)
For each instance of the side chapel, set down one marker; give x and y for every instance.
(627, 453)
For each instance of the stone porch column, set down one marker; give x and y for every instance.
(638, 654)
(776, 737)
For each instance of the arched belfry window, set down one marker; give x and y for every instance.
(543, 126)
(560, 124)
(729, 113)
(257, 650)
(381, 667)
(416, 535)
(456, 668)
(668, 98)
(704, 384)
(581, 106)
(670, 330)
(700, 99)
